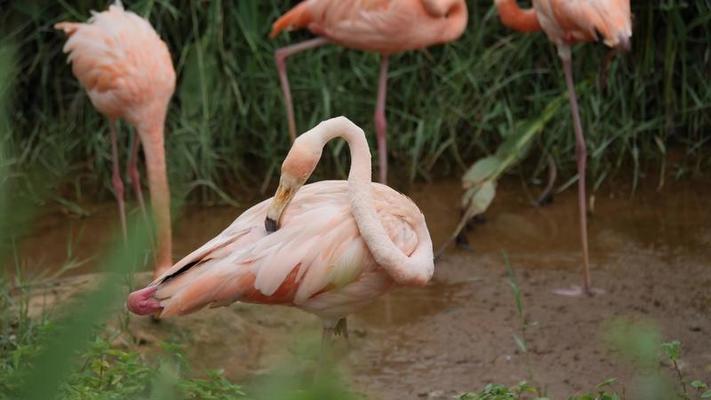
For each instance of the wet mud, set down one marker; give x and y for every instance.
(650, 254)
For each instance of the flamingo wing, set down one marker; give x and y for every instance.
(385, 26)
(316, 261)
(589, 20)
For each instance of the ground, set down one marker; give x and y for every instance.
(651, 255)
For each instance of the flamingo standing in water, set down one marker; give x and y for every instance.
(383, 26)
(566, 22)
(328, 248)
(126, 69)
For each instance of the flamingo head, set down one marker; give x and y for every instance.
(295, 171)
(142, 302)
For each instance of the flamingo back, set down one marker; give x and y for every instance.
(122, 63)
(384, 26)
(317, 261)
(569, 21)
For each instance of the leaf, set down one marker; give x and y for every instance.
(706, 395)
(672, 349)
(482, 170)
(606, 383)
(698, 385)
(520, 343)
(481, 200)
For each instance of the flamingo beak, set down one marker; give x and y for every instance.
(288, 187)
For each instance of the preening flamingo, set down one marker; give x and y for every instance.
(382, 26)
(328, 248)
(126, 69)
(566, 22)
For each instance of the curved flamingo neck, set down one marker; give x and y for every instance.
(517, 18)
(453, 14)
(416, 269)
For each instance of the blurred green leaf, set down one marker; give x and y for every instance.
(73, 332)
(698, 384)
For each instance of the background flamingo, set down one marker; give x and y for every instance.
(127, 71)
(566, 22)
(328, 248)
(383, 26)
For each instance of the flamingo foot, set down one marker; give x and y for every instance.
(577, 291)
(462, 242)
(141, 302)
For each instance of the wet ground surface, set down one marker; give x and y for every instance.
(650, 253)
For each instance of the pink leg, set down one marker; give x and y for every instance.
(381, 123)
(581, 154)
(116, 177)
(135, 177)
(280, 57)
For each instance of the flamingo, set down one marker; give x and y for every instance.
(382, 26)
(327, 248)
(127, 71)
(567, 22)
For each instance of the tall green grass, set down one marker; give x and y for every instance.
(447, 105)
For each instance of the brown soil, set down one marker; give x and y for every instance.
(651, 255)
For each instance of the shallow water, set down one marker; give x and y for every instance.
(650, 252)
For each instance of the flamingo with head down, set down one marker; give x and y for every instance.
(327, 248)
(126, 69)
(566, 22)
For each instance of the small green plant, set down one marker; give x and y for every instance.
(500, 392)
(520, 340)
(672, 352)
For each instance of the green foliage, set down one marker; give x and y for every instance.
(227, 121)
(500, 392)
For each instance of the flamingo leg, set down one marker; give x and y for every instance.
(116, 177)
(381, 123)
(331, 329)
(280, 57)
(581, 154)
(327, 333)
(546, 197)
(133, 174)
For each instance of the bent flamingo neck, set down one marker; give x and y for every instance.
(417, 269)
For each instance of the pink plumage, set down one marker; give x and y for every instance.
(317, 262)
(127, 72)
(122, 63)
(336, 245)
(382, 26)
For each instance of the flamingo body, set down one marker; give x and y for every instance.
(122, 63)
(383, 26)
(127, 72)
(317, 262)
(566, 21)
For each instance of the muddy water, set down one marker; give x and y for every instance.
(650, 253)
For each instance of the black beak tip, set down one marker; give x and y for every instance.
(270, 225)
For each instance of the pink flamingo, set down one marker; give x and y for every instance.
(566, 22)
(127, 71)
(327, 248)
(383, 26)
